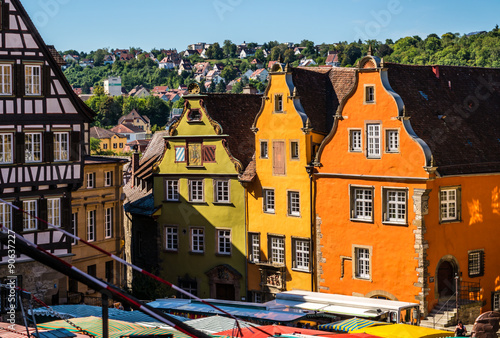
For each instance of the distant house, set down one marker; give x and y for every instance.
(298, 50)
(159, 90)
(140, 144)
(256, 63)
(109, 59)
(78, 91)
(246, 52)
(119, 52)
(139, 92)
(130, 131)
(126, 57)
(166, 63)
(185, 65)
(218, 67)
(110, 140)
(135, 119)
(87, 63)
(71, 58)
(247, 74)
(260, 75)
(307, 62)
(332, 59)
(201, 68)
(113, 86)
(190, 52)
(271, 64)
(195, 46)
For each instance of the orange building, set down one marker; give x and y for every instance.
(408, 186)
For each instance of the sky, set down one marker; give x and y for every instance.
(91, 24)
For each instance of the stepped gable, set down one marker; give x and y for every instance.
(321, 91)
(21, 40)
(455, 110)
(236, 114)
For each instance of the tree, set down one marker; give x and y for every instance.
(275, 53)
(220, 87)
(237, 88)
(289, 56)
(229, 49)
(214, 52)
(259, 55)
(95, 145)
(229, 73)
(99, 56)
(179, 104)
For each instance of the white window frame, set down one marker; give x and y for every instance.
(90, 180)
(355, 140)
(373, 140)
(54, 211)
(294, 150)
(108, 222)
(33, 80)
(30, 222)
(277, 249)
(108, 178)
(171, 238)
(198, 240)
(6, 148)
(172, 190)
(222, 191)
(5, 79)
(61, 146)
(224, 241)
(33, 147)
(268, 201)
(91, 214)
(264, 149)
(362, 206)
(293, 201)
(197, 191)
(254, 248)
(477, 257)
(302, 254)
(369, 94)
(6, 215)
(447, 204)
(393, 206)
(363, 262)
(496, 301)
(392, 140)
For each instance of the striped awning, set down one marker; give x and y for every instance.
(349, 325)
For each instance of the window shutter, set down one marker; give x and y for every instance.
(46, 80)
(75, 146)
(4, 16)
(279, 158)
(481, 263)
(48, 147)
(20, 152)
(66, 215)
(17, 223)
(19, 79)
(208, 154)
(42, 213)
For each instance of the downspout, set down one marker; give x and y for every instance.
(310, 171)
(246, 243)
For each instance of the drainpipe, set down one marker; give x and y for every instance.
(310, 172)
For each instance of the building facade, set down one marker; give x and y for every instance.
(44, 136)
(110, 141)
(113, 86)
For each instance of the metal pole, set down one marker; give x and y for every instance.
(456, 293)
(105, 326)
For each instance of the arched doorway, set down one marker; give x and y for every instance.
(446, 279)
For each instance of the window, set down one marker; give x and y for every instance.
(294, 150)
(293, 203)
(277, 249)
(108, 178)
(268, 200)
(5, 148)
(373, 140)
(180, 154)
(90, 180)
(171, 238)
(194, 115)
(54, 211)
(105, 146)
(264, 151)
(355, 144)
(476, 263)
(496, 301)
(91, 225)
(109, 271)
(5, 79)
(394, 205)
(362, 263)
(6, 215)
(61, 146)
(74, 227)
(278, 102)
(196, 191)
(224, 242)
(362, 204)
(33, 147)
(221, 191)
(29, 217)
(369, 94)
(121, 145)
(197, 240)
(194, 152)
(188, 285)
(115, 145)
(449, 204)
(108, 223)
(301, 254)
(279, 158)
(256, 297)
(172, 190)
(392, 141)
(92, 270)
(254, 248)
(33, 80)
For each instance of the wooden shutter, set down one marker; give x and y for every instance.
(75, 146)
(19, 79)
(208, 153)
(66, 214)
(42, 213)
(4, 16)
(20, 152)
(17, 222)
(48, 146)
(46, 80)
(278, 158)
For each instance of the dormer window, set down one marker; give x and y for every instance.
(369, 94)
(278, 102)
(194, 115)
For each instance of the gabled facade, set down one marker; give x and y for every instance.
(407, 197)
(202, 222)
(109, 139)
(295, 115)
(44, 137)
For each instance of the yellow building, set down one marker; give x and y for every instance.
(109, 140)
(294, 118)
(97, 216)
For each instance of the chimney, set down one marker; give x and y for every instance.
(249, 89)
(435, 70)
(135, 162)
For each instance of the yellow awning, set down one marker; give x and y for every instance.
(404, 331)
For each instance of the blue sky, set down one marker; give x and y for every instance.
(92, 24)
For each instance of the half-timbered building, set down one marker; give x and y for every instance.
(43, 140)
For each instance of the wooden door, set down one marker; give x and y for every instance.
(279, 158)
(225, 291)
(446, 281)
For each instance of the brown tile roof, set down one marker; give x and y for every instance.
(250, 171)
(133, 115)
(333, 57)
(457, 114)
(127, 128)
(55, 54)
(101, 133)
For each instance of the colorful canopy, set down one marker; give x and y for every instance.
(349, 325)
(273, 330)
(404, 331)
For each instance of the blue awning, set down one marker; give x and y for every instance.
(349, 325)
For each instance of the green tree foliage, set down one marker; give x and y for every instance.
(259, 55)
(237, 88)
(95, 143)
(229, 73)
(229, 49)
(220, 87)
(214, 52)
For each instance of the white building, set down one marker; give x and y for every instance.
(113, 86)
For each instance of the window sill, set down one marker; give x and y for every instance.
(450, 221)
(195, 121)
(361, 220)
(218, 254)
(195, 167)
(279, 111)
(170, 250)
(198, 202)
(196, 253)
(392, 152)
(222, 203)
(270, 212)
(171, 201)
(362, 279)
(395, 223)
(369, 102)
(292, 215)
(301, 270)
(355, 151)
